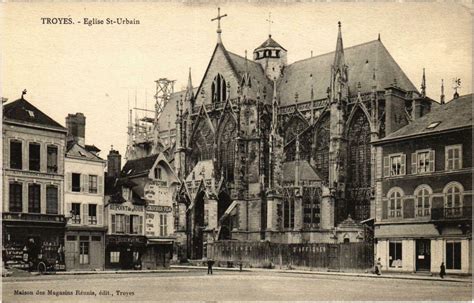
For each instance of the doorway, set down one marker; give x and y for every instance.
(423, 255)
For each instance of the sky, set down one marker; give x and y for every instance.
(98, 70)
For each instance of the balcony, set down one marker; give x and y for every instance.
(452, 213)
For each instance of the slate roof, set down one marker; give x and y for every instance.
(169, 111)
(92, 148)
(78, 151)
(455, 114)
(361, 60)
(255, 71)
(306, 171)
(23, 111)
(270, 43)
(138, 166)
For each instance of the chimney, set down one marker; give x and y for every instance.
(76, 126)
(114, 163)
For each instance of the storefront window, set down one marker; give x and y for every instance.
(114, 257)
(453, 255)
(84, 252)
(395, 254)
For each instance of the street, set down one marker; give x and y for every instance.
(196, 285)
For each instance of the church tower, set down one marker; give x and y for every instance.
(272, 58)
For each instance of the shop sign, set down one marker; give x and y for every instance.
(159, 208)
(125, 240)
(135, 208)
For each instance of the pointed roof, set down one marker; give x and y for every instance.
(306, 171)
(189, 88)
(270, 43)
(75, 150)
(339, 54)
(138, 166)
(438, 119)
(361, 60)
(23, 111)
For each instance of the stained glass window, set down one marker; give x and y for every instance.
(321, 151)
(288, 208)
(201, 144)
(219, 90)
(226, 148)
(311, 207)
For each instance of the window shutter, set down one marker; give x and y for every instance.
(413, 163)
(68, 209)
(403, 164)
(127, 224)
(85, 213)
(112, 224)
(100, 185)
(386, 167)
(85, 183)
(140, 226)
(100, 214)
(384, 208)
(432, 160)
(69, 181)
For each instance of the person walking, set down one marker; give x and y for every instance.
(378, 267)
(210, 262)
(442, 270)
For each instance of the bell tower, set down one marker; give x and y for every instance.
(272, 58)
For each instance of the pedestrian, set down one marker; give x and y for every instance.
(442, 271)
(210, 262)
(378, 267)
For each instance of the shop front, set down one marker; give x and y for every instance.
(85, 248)
(33, 241)
(124, 251)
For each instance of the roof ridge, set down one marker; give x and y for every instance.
(328, 53)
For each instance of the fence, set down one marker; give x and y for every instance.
(343, 256)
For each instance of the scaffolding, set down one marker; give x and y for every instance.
(164, 89)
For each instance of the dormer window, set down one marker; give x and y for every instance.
(219, 92)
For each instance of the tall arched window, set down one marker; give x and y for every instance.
(359, 166)
(226, 149)
(423, 205)
(395, 203)
(201, 144)
(453, 199)
(321, 148)
(219, 89)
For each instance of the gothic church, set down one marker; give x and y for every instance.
(267, 150)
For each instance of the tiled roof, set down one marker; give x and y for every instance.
(306, 171)
(270, 43)
(138, 166)
(78, 151)
(455, 114)
(23, 111)
(361, 60)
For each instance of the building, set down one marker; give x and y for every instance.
(33, 180)
(156, 183)
(424, 192)
(84, 200)
(125, 240)
(278, 151)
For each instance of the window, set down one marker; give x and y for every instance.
(453, 157)
(93, 214)
(453, 255)
(84, 252)
(395, 204)
(219, 89)
(96, 238)
(16, 197)
(34, 198)
(136, 224)
(35, 157)
(395, 254)
(423, 201)
(51, 199)
(394, 165)
(71, 238)
(76, 182)
(289, 208)
(93, 184)
(453, 200)
(423, 162)
(163, 225)
(16, 155)
(76, 213)
(157, 173)
(118, 224)
(114, 257)
(52, 161)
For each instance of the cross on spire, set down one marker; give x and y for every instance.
(269, 20)
(218, 18)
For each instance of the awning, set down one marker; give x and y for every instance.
(160, 241)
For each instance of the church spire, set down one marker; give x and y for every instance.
(339, 62)
(442, 92)
(423, 84)
(219, 30)
(189, 88)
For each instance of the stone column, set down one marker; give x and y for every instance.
(327, 209)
